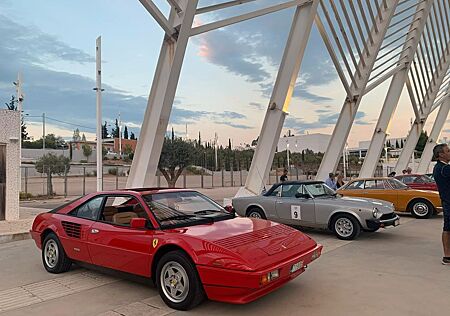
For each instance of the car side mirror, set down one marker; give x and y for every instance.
(138, 223)
(230, 209)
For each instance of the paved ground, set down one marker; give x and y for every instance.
(391, 272)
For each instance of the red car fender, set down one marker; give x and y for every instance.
(43, 222)
(176, 243)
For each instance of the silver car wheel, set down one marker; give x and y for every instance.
(255, 215)
(420, 209)
(344, 227)
(174, 281)
(51, 253)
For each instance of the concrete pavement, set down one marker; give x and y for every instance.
(391, 272)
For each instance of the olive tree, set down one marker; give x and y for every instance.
(51, 164)
(87, 151)
(176, 155)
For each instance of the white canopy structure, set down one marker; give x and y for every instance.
(369, 42)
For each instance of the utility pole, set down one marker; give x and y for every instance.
(120, 137)
(43, 133)
(98, 89)
(215, 147)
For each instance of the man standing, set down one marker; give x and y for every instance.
(441, 173)
(330, 181)
(284, 176)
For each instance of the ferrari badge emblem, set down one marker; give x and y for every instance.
(155, 242)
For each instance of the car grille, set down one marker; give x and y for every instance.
(246, 238)
(387, 216)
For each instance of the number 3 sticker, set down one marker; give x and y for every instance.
(296, 212)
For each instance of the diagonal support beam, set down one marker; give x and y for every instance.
(395, 90)
(441, 118)
(350, 107)
(162, 94)
(417, 127)
(158, 16)
(280, 99)
(247, 16)
(215, 7)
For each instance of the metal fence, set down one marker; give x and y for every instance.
(82, 179)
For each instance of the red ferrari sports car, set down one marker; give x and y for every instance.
(189, 245)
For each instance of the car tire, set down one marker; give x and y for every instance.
(54, 257)
(256, 212)
(177, 267)
(345, 227)
(421, 209)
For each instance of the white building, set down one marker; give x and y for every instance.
(316, 142)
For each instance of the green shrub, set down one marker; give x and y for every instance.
(25, 196)
(112, 171)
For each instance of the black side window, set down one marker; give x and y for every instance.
(276, 191)
(90, 209)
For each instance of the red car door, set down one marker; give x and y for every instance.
(75, 228)
(114, 244)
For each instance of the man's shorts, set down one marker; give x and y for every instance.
(446, 208)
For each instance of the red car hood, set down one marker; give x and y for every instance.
(257, 243)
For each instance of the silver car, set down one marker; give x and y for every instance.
(314, 204)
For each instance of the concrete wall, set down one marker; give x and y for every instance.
(315, 142)
(9, 135)
(34, 154)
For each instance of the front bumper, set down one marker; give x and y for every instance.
(241, 287)
(382, 223)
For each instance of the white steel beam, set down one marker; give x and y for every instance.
(433, 138)
(174, 4)
(247, 16)
(220, 6)
(395, 90)
(162, 94)
(417, 127)
(158, 16)
(280, 99)
(333, 55)
(350, 107)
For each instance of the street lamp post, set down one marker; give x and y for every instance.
(287, 153)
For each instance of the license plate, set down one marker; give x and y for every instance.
(397, 222)
(296, 266)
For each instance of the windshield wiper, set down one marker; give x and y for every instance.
(204, 212)
(177, 217)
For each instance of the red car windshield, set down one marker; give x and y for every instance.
(173, 207)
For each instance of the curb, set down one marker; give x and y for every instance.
(14, 237)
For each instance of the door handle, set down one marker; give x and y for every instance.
(94, 231)
(280, 202)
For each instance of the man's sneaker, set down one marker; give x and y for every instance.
(446, 261)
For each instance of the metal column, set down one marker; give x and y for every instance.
(427, 153)
(417, 127)
(395, 90)
(359, 83)
(162, 94)
(281, 97)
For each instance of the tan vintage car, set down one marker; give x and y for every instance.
(420, 203)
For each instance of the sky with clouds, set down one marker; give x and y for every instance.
(225, 84)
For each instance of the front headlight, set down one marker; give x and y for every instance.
(376, 213)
